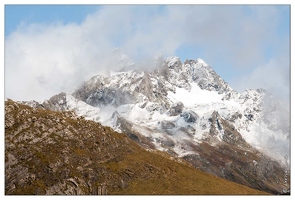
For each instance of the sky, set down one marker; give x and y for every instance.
(50, 49)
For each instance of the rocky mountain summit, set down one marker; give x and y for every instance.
(188, 111)
(49, 152)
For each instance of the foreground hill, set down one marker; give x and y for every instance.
(50, 152)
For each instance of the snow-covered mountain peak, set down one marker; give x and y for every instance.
(173, 92)
(202, 62)
(179, 107)
(173, 62)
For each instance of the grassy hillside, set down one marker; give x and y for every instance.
(59, 153)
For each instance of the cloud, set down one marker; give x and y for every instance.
(44, 59)
(273, 76)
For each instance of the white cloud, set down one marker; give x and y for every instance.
(44, 59)
(273, 76)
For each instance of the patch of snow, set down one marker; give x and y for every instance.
(195, 97)
(172, 60)
(82, 109)
(61, 101)
(201, 61)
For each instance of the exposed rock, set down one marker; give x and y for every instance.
(176, 109)
(235, 116)
(167, 125)
(188, 129)
(189, 116)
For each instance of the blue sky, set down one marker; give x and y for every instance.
(53, 48)
(17, 14)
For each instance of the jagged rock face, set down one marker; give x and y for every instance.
(205, 76)
(181, 107)
(226, 131)
(95, 93)
(131, 87)
(189, 116)
(55, 103)
(176, 109)
(234, 159)
(119, 89)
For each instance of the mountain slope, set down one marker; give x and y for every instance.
(50, 152)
